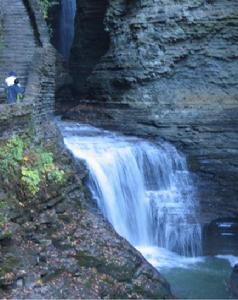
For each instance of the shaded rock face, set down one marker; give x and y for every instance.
(91, 41)
(221, 237)
(174, 54)
(172, 71)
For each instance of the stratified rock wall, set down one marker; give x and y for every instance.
(174, 53)
(91, 41)
(175, 63)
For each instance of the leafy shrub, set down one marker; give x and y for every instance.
(27, 169)
(31, 179)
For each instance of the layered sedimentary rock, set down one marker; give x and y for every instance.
(172, 71)
(90, 42)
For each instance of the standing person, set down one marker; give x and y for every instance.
(9, 87)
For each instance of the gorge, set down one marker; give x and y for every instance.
(167, 70)
(146, 93)
(170, 71)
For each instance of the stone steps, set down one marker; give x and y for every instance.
(19, 45)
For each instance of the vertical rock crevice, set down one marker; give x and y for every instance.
(33, 22)
(91, 41)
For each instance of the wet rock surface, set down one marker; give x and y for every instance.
(221, 237)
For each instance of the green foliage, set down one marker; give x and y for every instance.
(27, 169)
(31, 179)
(56, 176)
(45, 6)
(10, 155)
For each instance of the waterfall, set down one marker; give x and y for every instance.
(143, 189)
(66, 26)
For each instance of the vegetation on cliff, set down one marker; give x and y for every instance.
(27, 170)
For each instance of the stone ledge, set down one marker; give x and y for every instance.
(15, 110)
(15, 119)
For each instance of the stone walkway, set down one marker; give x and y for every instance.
(19, 40)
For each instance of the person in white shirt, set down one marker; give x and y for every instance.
(12, 76)
(10, 88)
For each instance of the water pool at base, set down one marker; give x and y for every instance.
(193, 278)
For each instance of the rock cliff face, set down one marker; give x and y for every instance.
(90, 42)
(172, 71)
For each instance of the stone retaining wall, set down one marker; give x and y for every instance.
(15, 118)
(38, 104)
(41, 79)
(40, 87)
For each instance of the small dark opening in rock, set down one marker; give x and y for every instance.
(91, 42)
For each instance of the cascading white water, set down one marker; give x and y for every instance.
(66, 26)
(143, 189)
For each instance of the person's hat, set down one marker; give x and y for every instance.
(12, 73)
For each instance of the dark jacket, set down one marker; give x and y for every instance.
(14, 92)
